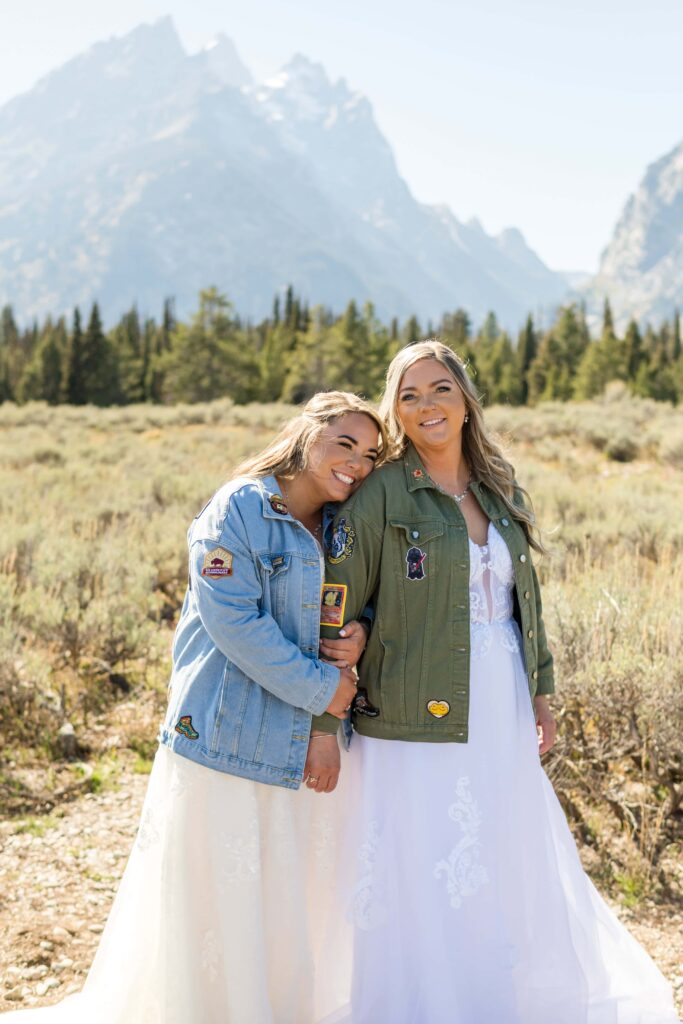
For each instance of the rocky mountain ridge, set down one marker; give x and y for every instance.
(136, 171)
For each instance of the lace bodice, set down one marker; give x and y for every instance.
(491, 579)
(491, 582)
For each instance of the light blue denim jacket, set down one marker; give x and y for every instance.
(246, 677)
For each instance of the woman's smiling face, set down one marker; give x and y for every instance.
(342, 456)
(430, 405)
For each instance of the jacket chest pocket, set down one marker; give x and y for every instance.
(275, 573)
(416, 546)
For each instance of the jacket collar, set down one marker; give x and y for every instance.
(416, 474)
(273, 499)
(274, 504)
(418, 477)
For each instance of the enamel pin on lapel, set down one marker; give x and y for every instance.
(278, 504)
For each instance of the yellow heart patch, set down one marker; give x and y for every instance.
(438, 708)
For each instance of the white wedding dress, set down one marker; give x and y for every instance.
(226, 912)
(469, 902)
(439, 884)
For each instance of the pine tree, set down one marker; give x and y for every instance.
(209, 358)
(75, 373)
(527, 348)
(100, 363)
(607, 319)
(634, 353)
(676, 348)
(42, 377)
(411, 331)
(127, 340)
(10, 355)
(455, 331)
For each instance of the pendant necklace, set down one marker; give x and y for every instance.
(463, 494)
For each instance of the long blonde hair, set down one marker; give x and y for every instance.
(482, 453)
(288, 453)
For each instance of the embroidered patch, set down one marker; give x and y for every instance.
(217, 563)
(438, 708)
(415, 562)
(185, 728)
(362, 706)
(418, 474)
(278, 504)
(332, 604)
(343, 540)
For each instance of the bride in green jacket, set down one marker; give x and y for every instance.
(469, 901)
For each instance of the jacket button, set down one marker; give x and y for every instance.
(530, 633)
(415, 534)
(534, 674)
(522, 558)
(527, 594)
(505, 522)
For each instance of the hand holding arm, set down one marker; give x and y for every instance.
(346, 651)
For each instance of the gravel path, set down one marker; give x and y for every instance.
(58, 875)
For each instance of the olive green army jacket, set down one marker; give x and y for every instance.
(401, 545)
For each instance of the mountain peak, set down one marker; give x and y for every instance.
(222, 60)
(300, 74)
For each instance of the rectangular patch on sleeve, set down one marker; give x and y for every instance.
(332, 604)
(217, 563)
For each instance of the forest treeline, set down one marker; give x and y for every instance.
(297, 351)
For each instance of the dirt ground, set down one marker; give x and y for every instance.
(59, 873)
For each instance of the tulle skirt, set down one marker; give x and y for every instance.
(468, 898)
(227, 911)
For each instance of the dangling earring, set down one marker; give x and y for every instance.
(467, 416)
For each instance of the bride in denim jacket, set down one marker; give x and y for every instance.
(226, 906)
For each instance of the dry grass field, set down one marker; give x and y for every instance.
(94, 507)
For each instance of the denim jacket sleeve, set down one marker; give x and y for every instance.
(231, 609)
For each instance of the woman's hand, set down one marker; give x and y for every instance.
(344, 694)
(545, 721)
(321, 770)
(346, 652)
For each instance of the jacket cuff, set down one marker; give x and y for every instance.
(325, 723)
(323, 696)
(545, 686)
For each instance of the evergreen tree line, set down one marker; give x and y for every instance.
(297, 351)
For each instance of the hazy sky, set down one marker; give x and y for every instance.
(537, 114)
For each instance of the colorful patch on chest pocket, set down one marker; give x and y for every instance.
(415, 564)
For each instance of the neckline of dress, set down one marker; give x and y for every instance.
(482, 547)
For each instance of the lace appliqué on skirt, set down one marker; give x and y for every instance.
(367, 909)
(463, 872)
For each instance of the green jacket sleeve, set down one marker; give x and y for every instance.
(545, 682)
(353, 562)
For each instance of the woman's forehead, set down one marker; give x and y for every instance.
(426, 371)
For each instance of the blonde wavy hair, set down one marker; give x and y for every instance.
(482, 452)
(289, 451)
